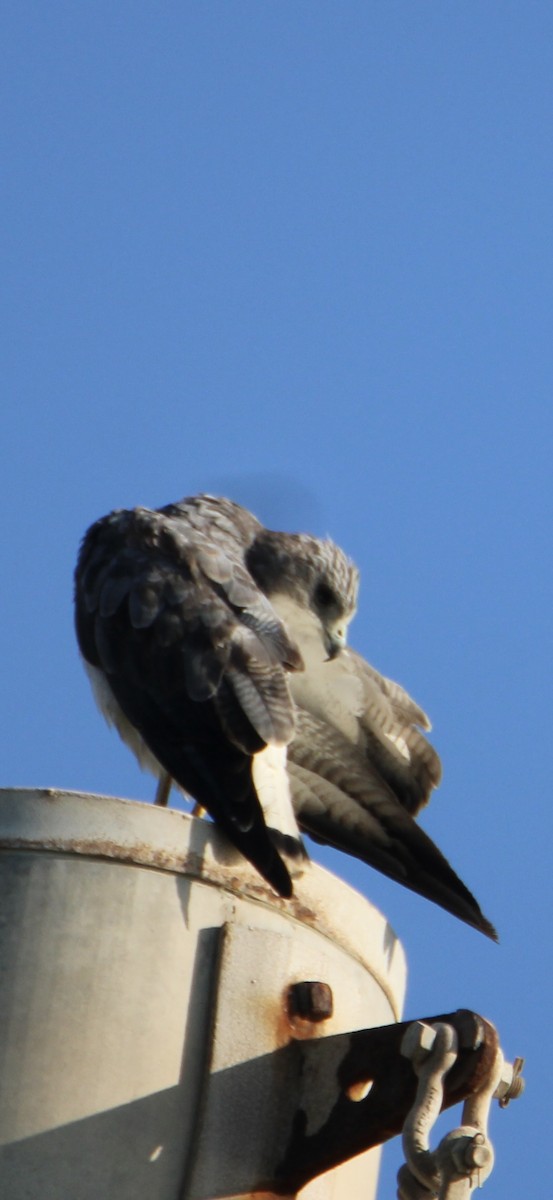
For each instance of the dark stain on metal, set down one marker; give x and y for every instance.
(374, 1055)
(310, 1000)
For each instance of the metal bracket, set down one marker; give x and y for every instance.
(376, 1091)
(464, 1158)
(313, 1096)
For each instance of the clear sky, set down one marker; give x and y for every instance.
(301, 253)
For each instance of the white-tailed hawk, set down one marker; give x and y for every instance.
(218, 650)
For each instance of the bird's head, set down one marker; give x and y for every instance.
(328, 605)
(332, 594)
(314, 573)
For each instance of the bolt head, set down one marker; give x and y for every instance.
(310, 1000)
(417, 1038)
(477, 1152)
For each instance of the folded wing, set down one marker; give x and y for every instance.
(359, 767)
(193, 658)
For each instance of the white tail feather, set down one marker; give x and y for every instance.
(271, 783)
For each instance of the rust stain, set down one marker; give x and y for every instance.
(208, 864)
(189, 863)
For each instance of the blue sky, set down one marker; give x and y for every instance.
(301, 253)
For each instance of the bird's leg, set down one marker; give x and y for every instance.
(163, 792)
(163, 789)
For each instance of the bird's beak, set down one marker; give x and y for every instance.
(335, 641)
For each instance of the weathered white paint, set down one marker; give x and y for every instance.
(143, 969)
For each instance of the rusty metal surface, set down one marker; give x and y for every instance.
(255, 1080)
(464, 1157)
(372, 1057)
(311, 1000)
(129, 831)
(157, 1000)
(143, 1004)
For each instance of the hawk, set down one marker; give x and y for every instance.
(217, 648)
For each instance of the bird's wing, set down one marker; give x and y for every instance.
(390, 732)
(194, 655)
(342, 800)
(373, 713)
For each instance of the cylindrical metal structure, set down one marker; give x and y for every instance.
(145, 1021)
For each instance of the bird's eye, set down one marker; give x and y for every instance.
(324, 596)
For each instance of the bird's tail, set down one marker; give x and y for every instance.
(225, 788)
(272, 785)
(376, 829)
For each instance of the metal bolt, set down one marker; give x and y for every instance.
(310, 1000)
(418, 1039)
(477, 1152)
(511, 1085)
(473, 1153)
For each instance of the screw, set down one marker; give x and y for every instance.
(310, 1000)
